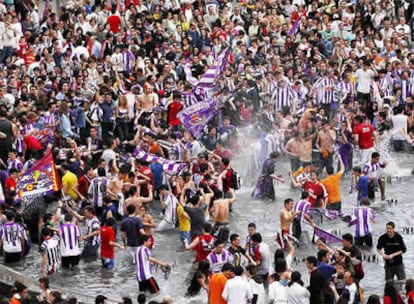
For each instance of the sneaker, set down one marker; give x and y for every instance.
(167, 271)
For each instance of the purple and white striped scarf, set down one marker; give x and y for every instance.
(330, 238)
(208, 80)
(170, 167)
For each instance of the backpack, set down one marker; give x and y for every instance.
(235, 179)
(359, 271)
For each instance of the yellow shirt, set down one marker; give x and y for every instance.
(69, 180)
(332, 185)
(185, 224)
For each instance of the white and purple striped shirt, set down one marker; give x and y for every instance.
(188, 99)
(283, 97)
(171, 208)
(12, 235)
(69, 243)
(217, 260)
(371, 170)
(363, 217)
(97, 190)
(385, 85)
(144, 266)
(50, 247)
(177, 152)
(326, 92)
(50, 119)
(14, 164)
(303, 206)
(93, 224)
(347, 88)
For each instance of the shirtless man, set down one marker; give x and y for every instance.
(286, 217)
(326, 139)
(221, 207)
(148, 222)
(137, 200)
(292, 148)
(305, 154)
(283, 122)
(145, 102)
(115, 190)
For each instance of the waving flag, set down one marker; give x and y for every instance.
(208, 80)
(170, 167)
(294, 28)
(196, 117)
(39, 180)
(329, 237)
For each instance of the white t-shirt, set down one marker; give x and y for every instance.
(399, 122)
(258, 289)
(298, 294)
(364, 80)
(237, 291)
(278, 293)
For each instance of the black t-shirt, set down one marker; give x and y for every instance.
(392, 245)
(197, 219)
(237, 254)
(131, 227)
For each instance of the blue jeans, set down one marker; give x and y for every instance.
(5, 53)
(185, 235)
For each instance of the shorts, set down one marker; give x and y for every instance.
(70, 261)
(280, 239)
(152, 241)
(150, 285)
(108, 263)
(334, 206)
(12, 257)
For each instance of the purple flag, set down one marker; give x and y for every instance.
(208, 80)
(170, 167)
(196, 117)
(189, 75)
(329, 214)
(330, 238)
(294, 28)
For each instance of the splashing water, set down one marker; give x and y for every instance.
(384, 148)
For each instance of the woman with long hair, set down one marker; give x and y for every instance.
(200, 279)
(122, 114)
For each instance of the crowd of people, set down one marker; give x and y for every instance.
(102, 86)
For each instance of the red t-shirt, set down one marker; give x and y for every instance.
(227, 179)
(144, 187)
(114, 22)
(315, 191)
(173, 109)
(204, 247)
(10, 184)
(364, 132)
(83, 183)
(107, 235)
